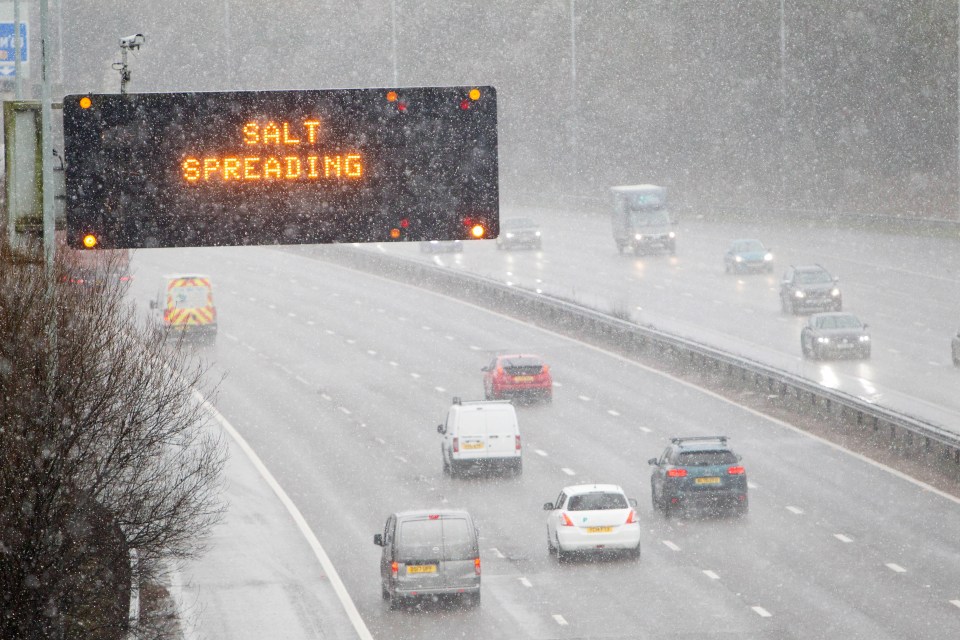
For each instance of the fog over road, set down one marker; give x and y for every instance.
(338, 379)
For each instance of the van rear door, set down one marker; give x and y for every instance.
(502, 430)
(460, 552)
(420, 554)
(472, 431)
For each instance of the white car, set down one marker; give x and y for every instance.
(592, 517)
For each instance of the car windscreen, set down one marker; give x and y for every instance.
(458, 540)
(705, 458)
(838, 322)
(188, 297)
(522, 365)
(813, 277)
(748, 246)
(518, 223)
(597, 502)
(653, 218)
(420, 540)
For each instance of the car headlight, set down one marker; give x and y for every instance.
(799, 294)
(537, 234)
(823, 340)
(835, 292)
(509, 235)
(738, 258)
(864, 338)
(767, 257)
(672, 235)
(639, 236)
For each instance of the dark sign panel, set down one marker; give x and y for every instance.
(281, 167)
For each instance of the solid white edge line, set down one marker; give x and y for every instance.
(351, 609)
(685, 383)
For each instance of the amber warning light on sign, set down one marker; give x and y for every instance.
(281, 167)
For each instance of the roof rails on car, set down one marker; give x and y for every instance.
(461, 402)
(680, 441)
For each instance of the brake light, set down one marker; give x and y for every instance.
(476, 565)
(518, 442)
(499, 371)
(394, 568)
(456, 445)
(545, 369)
(565, 520)
(433, 516)
(632, 517)
(736, 471)
(676, 473)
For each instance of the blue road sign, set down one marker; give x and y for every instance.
(8, 49)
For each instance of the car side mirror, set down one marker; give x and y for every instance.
(548, 506)
(739, 457)
(652, 462)
(633, 502)
(153, 304)
(378, 539)
(485, 369)
(865, 326)
(440, 429)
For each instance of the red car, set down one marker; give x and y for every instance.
(517, 375)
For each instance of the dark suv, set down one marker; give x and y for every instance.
(700, 471)
(809, 288)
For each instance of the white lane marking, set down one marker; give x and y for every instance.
(311, 323)
(300, 380)
(613, 412)
(381, 441)
(351, 609)
(760, 611)
(955, 603)
(685, 383)
(933, 363)
(291, 314)
(540, 452)
(895, 568)
(670, 545)
(710, 574)
(371, 352)
(440, 389)
(414, 375)
(351, 341)
(252, 299)
(557, 384)
(751, 485)
(527, 583)
(449, 337)
(474, 348)
(285, 369)
(345, 410)
(381, 310)
(394, 364)
(646, 430)
(497, 551)
(842, 538)
(326, 397)
(426, 328)
(330, 332)
(230, 336)
(569, 472)
(250, 347)
(584, 398)
(560, 620)
(271, 306)
(892, 351)
(401, 459)
(797, 510)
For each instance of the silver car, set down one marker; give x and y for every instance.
(429, 553)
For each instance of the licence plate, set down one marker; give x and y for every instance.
(844, 345)
(707, 480)
(422, 568)
(473, 445)
(523, 378)
(599, 529)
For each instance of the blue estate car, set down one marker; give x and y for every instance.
(699, 472)
(747, 255)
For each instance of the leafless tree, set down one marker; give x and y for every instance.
(103, 449)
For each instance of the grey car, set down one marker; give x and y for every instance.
(834, 334)
(809, 288)
(519, 232)
(429, 553)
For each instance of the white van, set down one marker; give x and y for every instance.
(482, 434)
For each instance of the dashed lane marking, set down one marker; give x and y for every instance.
(842, 538)
(569, 472)
(895, 568)
(230, 336)
(345, 410)
(528, 584)
(250, 347)
(371, 352)
(300, 380)
(751, 485)
(291, 314)
(670, 545)
(557, 384)
(613, 412)
(795, 510)
(426, 328)
(381, 441)
(394, 363)
(955, 603)
(285, 369)
(414, 375)
(584, 398)
(710, 574)
(560, 620)
(451, 338)
(474, 348)
(351, 341)
(540, 452)
(440, 389)
(271, 306)
(311, 323)
(760, 611)
(330, 332)
(326, 397)
(497, 552)
(401, 459)
(646, 430)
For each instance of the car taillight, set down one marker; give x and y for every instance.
(676, 473)
(394, 568)
(632, 517)
(456, 445)
(499, 372)
(476, 565)
(545, 369)
(736, 471)
(565, 520)
(518, 443)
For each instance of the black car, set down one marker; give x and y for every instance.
(518, 232)
(699, 472)
(837, 334)
(809, 288)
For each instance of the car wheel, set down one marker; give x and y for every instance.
(956, 360)
(384, 592)
(838, 306)
(558, 552)
(635, 553)
(769, 268)
(794, 308)
(518, 468)
(726, 267)
(539, 246)
(866, 354)
(393, 600)
(446, 466)
(741, 509)
(784, 305)
(803, 348)
(673, 249)
(550, 548)
(657, 505)
(471, 600)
